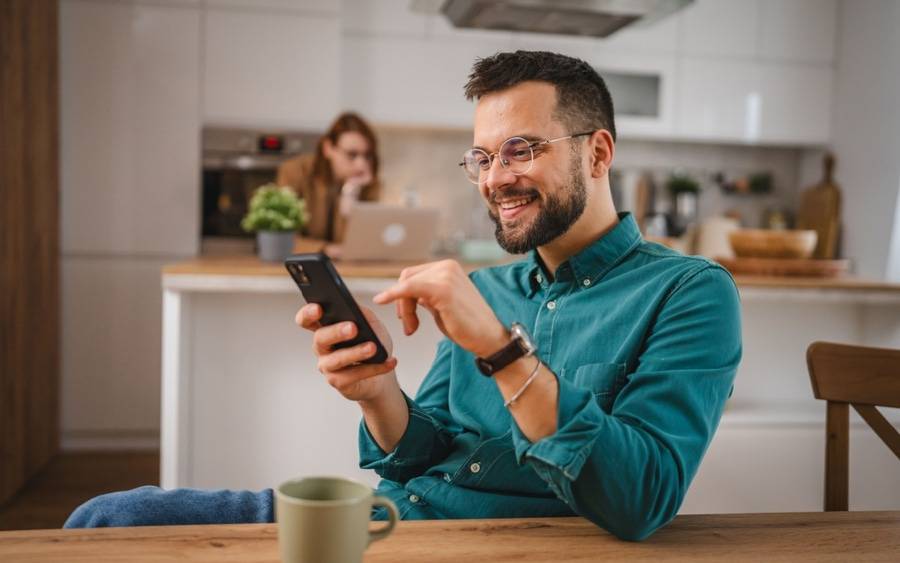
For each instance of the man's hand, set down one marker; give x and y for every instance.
(459, 310)
(341, 368)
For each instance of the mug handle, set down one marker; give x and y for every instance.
(384, 532)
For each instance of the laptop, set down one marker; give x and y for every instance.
(378, 231)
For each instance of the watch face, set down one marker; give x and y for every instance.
(518, 331)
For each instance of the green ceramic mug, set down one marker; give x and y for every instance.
(326, 519)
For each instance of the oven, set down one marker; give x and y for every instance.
(235, 163)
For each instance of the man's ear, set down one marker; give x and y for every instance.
(602, 149)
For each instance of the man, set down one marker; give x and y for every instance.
(587, 378)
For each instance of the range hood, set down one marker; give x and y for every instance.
(594, 18)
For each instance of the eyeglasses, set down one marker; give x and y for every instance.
(516, 155)
(353, 155)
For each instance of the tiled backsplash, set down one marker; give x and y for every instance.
(421, 165)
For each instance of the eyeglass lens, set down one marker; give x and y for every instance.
(515, 155)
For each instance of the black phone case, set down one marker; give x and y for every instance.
(320, 283)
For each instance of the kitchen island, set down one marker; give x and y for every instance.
(243, 405)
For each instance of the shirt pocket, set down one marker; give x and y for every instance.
(604, 380)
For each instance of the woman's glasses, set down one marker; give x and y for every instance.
(516, 154)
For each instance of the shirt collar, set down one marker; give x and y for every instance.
(589, 265)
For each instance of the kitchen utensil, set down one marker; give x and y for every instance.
(820, 209)
(763, 243)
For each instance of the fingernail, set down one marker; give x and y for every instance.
(347, 329)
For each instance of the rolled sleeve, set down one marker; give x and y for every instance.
(424, 442)
(565, 452)
(429, 433)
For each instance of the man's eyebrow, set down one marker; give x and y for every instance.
(528, 137)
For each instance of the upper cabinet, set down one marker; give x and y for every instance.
(129, 128)
(800, 31)
(274, 68)
(722, 28)
(757, 71)
(754, 102)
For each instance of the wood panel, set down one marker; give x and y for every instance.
(820, 536)
(72, 478)
(29, 240)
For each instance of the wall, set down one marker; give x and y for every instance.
(424, 162)
(867, 133)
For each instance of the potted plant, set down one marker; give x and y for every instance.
(275, 215)
(684, 191)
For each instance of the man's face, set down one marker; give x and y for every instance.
(531, 209)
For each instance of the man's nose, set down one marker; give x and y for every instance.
(498, 176)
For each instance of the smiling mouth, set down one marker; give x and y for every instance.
(515, 203)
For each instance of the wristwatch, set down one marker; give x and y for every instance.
(520, 346)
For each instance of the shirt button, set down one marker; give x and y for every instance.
(539, 278)
(413, 499)
(551, 305)
(586, 282)
(447, 477)
(475, 467)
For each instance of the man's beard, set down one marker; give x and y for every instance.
(556, 215)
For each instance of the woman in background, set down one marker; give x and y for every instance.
(343, 170)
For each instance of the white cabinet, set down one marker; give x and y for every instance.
(307, 6)
(392, 17)
(796, 103)
(754, 102)
(718, 100)
(723, 28)
(774, 30)
(111, 325)
(271, 69)
(407, 81)
(657, 37)
(129, 128)
(797, 30)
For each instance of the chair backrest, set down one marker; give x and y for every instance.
(860, 376)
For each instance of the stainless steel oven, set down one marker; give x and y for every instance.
(236, 162)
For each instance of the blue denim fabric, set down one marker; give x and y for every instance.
(152, 506)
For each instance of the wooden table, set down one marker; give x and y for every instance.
(819, 536)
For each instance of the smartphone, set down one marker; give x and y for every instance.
(319, 282)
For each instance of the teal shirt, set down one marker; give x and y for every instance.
(644, 342)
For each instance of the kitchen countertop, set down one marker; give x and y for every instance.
(251, 266)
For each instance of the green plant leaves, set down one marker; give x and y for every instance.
(274, 209)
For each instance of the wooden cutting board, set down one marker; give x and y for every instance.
(820, 209)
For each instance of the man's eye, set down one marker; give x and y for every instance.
(484, 163)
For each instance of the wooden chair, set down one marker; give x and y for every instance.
(852, 375)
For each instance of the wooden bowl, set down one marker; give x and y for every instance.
(764, 243)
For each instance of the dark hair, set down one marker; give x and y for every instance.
(347, 121)
(583, 102)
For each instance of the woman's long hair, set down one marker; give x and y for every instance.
(345, 122)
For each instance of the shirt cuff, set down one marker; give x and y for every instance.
(413, 451)
(579, 421)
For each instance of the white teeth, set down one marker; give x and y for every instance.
(514, 203)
